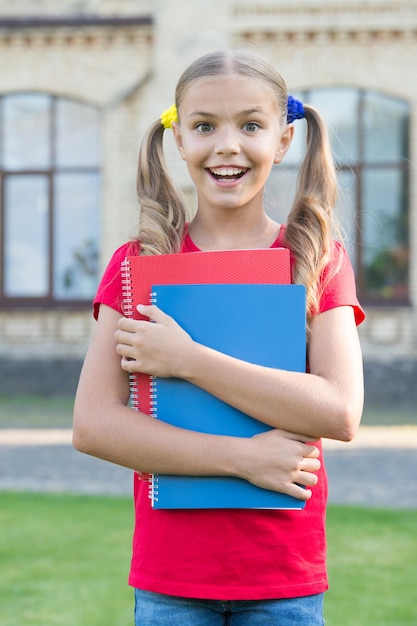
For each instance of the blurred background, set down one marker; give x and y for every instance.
(81, 80)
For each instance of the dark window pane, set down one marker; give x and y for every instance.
(384, 231)
(339, 108)
(26, 236)
(386, 128)
(76, 135)
(26, 132)
(75, 236)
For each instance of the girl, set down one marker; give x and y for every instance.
(232, 120)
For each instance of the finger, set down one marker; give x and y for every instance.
(295, 436)
(127, 364)
(125, 351)
(311, 452)
(124, 341)
(307, 479)
(153, 312)
(128, 325)
(298, 492)
(310, 465)
(121, 336)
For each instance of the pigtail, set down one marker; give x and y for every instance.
(310, 223)
(162, 211)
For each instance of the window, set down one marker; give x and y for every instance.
(49, 200)
(369, 133)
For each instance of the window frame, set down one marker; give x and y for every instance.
(48, 301)
(358, 168)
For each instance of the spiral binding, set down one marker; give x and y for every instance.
(127, 295)
(128, 311)
(127, 289)
(153, 402)
(153, 489)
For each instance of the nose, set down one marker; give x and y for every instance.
(227, 141)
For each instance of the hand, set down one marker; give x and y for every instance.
(282, 461)
(157, 348)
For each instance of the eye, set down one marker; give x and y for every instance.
(204, 127)
(251, 127)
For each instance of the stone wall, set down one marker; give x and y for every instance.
(391, 385)
(39, 377)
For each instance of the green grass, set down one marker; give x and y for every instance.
(36, 411)
(64, 561)
(382, 416)
(372, 567)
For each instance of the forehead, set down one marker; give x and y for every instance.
(231, 91)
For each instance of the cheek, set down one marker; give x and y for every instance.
(266, 159)
(194, 152)
(263, 150)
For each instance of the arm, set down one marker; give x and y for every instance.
(106, 428)
(326, 402)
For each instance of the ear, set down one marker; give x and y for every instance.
(176, 129)
(284, 143)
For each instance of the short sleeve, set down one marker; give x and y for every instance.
(109, 291)
(338, 285)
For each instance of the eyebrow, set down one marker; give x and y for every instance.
(200, 114)
(254, 110)
(208, 114)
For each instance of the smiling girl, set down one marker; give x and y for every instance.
(232, 120)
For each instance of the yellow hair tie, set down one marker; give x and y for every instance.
(169, 116)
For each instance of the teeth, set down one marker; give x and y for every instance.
(227, 171)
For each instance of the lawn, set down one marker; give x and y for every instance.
(35, 411)
(64, 561)
(372, 567)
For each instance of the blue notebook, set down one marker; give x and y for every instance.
(262, 324)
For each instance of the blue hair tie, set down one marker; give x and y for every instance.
(295, 109)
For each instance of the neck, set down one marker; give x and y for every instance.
(229, 234)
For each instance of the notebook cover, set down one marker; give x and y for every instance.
(139, 273)
(262, 324)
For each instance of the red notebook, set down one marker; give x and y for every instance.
(140, 273)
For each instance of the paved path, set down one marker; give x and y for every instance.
(379, 468)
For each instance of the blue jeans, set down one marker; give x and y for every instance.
(154, 609)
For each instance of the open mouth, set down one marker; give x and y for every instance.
(227, 173)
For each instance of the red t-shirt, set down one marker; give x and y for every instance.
(231, 554)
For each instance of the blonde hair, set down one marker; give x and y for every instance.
(310, 222)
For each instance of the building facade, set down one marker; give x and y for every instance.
(82, 79)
